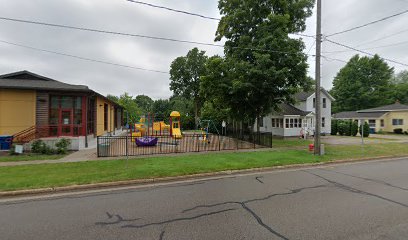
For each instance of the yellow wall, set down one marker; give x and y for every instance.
(100, 102)
(388, 127)
(17, 110)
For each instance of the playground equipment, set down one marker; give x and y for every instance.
(175, 131)
(205, 126)
(147, 129)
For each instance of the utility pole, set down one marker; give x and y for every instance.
(317, 91)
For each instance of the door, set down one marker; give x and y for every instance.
(66, 126)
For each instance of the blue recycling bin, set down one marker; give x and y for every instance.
(5, 142)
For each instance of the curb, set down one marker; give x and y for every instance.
(199, 176)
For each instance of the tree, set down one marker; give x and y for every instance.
(263, 65)
(185, 74)
(127, 102)
(354, 128)
(161, 109)
(365, 82)
(366, 129)
(334, 125)
(400, 87)
(145, 103)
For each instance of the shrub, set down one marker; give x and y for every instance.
(366, 128)
(406, 132)
(334, 127)
(37, 146)
(398, 131)
(348, 128)
(62, 146)
(380, 131)
(354, 128)
(12, 150)
(342, 127)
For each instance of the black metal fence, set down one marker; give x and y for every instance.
(109, 146)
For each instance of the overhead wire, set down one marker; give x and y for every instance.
(368, 24)
(364, 52)
(134, 35)
(82, 58)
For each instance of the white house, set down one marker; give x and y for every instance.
(299, 118)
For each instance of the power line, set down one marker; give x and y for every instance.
(195, 14)
(382, 38)
(364, 52)
(368, 24)
(81, 58)
(174, 10)
(135, 35)
(370, 48)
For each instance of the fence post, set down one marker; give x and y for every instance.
(198, 143)
(219, 143)
(127, 152)
(97, 146)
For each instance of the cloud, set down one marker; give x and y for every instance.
(128, 17)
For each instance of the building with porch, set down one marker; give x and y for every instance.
(294, 120)
(34, 106)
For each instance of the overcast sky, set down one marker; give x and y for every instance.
(123, 16)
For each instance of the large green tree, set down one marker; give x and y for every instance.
(400, 87)
(127, 102)
(365, 82)
(145, 103)
(263, 64)
(185, 74)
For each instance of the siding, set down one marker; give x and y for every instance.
(17, 110)
(100, 118)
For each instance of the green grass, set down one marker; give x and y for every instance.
(290, 142)
(29, 157)
(64, 174)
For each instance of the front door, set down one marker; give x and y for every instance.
(66, 126)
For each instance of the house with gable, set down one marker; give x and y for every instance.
(294, 120)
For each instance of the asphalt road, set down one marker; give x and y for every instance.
(354, 201)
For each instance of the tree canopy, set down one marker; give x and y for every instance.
(365, 82)
(185, 74)
(263, 65)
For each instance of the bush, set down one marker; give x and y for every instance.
(366, 128)
(342, 127)
(334, 127)
(38, 146)
(354, 128)
(62, 146)
(348, 128)
(12, 150)
(398, 131)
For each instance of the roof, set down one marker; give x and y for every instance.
(393, 107)
(358, 115)
(29, 80)
(303, 96)
(287, 109)
(174, 114)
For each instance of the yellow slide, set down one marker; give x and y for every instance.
(177, 133)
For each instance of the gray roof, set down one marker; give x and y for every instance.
(287, 109)
(29, 80)
(303, 96)
(358, 115)
(393, 107)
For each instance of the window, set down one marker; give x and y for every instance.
(371, 123)
(274, 122)
(314, 102)
(324, 103)
(323, 122)
(382, 123)
(397, 122)
(287, 122)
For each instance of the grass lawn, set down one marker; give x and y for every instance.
(29, 157)
(64, 174)
(290, 142)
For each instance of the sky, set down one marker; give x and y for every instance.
(124, 16)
